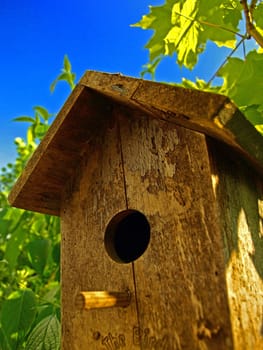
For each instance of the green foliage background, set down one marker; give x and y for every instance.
(29, 252)
(182, 28)
(30, 242)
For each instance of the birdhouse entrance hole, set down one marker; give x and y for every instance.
(127, 236)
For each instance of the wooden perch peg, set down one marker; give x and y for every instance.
(102, 299)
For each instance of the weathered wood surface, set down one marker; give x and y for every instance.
(94, 195)
(212, 114)
(40, 185)
(180, 279)
(239, 198)
(122, 143)
(179, 300)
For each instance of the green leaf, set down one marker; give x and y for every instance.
(41, 130)
(66, 75)
(67, 64)
(13, 246)
(260, 128)
(254, 114)
(56, 253)
(199, 84)
(258, 15)
(6, 221)
(24, 119)
(38, 251)
(159, 19)
(184, 35)
(19, 230)
(240, 75)
(43, 112)
(62, 76)
(46, 335)
(53, 293)
(30, 135)
(4, 342)
(17, 315)
(220, 21)
(44, 310)
(184, 27)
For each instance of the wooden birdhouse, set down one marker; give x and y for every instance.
(160, 194)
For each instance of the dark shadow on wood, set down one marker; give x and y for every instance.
(239, 194)
(239, 188)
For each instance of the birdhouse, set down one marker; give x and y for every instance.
(160, 194)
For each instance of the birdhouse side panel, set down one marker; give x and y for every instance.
(239, 193)
(180, 282)
(94, 195)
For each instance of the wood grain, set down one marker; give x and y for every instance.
(212, 114)
(239, 199)
(122, 143)
(94, 195)
(180, 282)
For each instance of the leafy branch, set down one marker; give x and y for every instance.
(250, 27)
(66, 75)
(183, 29)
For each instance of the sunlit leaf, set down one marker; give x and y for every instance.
(43, 112)
(183, 36)
(40, 130)
(200, 84)
(260, 128)
(24, 119)
(159, 19)
(46, 335)
(220, 21)
(66, 75)
(67, 64)
(30, 135)
(150, 68)
(184, 27)
(258, 15)
(54, 83)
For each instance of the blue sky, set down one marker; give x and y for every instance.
(35, 36)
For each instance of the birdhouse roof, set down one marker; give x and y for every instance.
(41, 184)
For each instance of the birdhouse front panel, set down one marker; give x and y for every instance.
(161, 170)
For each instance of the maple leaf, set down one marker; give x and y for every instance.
(184, 27)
